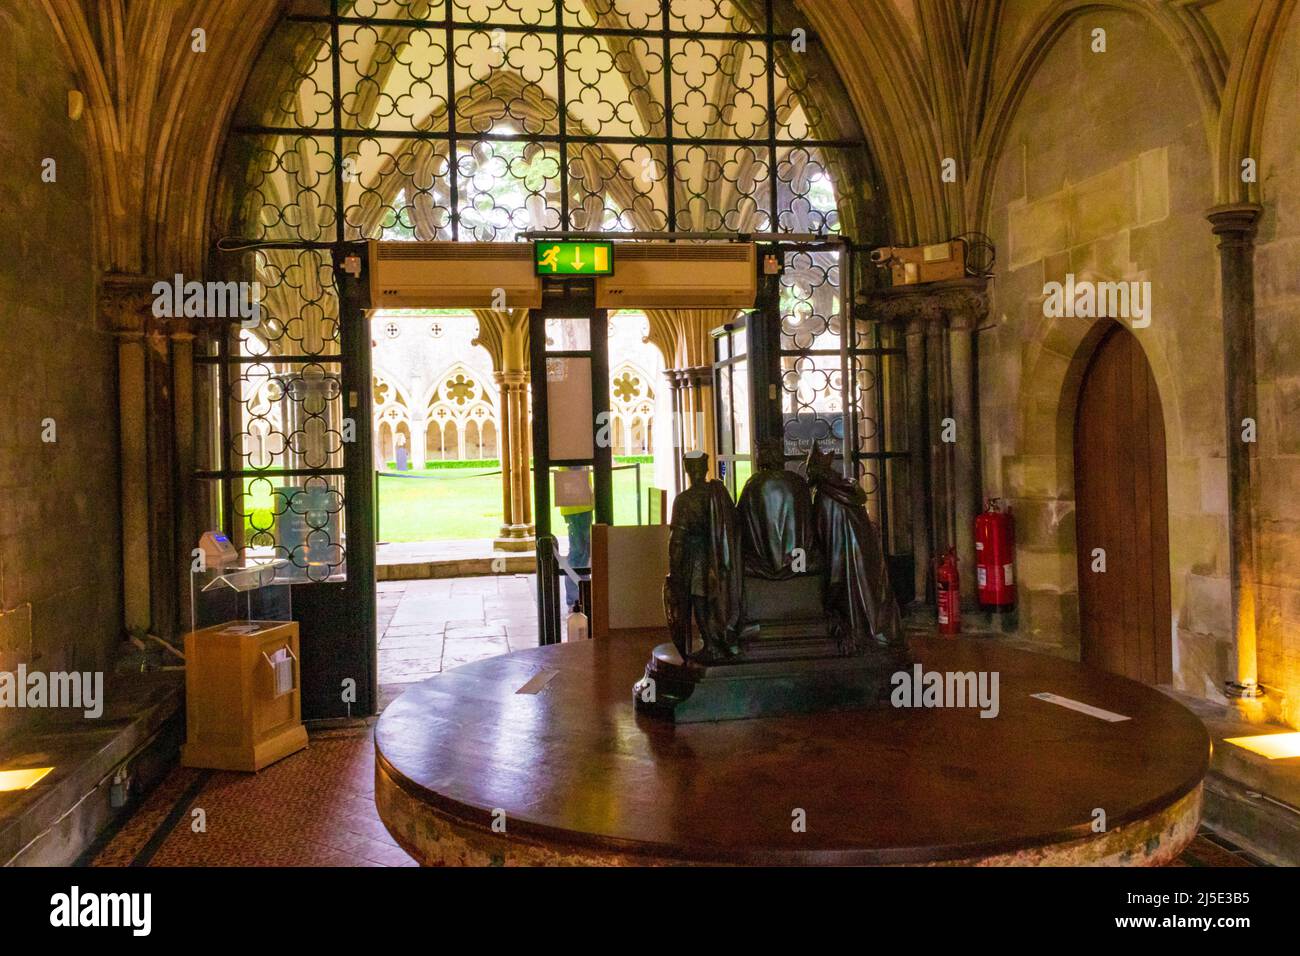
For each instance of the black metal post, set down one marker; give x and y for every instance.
(603, 455)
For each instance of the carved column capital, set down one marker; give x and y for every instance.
(961, 303)
(1235, 223)
(698, 376)
(125, 307)
(966, 311)
(512, 379)
(125, 304)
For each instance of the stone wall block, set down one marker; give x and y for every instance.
(1105, 202)
(1153, 185)
(1214, 486)
(1201, 663)
(1276, 275)
(1038, 229)
(1199, 543)
(1277, 347)
(1286, 414)
(1207, 605)
(1046, 523)
(1278, 546)
(1050, 613)
(1052, 569)
(1037, 476)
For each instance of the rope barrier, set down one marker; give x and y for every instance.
(485, 474)
(396, 474)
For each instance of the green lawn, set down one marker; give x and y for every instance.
(447, 503)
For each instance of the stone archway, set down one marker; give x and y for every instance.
(1040, 482)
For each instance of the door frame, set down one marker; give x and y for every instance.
(338, 671)
(572, 298)
(724, 430)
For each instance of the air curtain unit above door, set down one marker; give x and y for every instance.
(661, 275)
(453, 275)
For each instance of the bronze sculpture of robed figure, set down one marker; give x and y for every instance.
(789, 593)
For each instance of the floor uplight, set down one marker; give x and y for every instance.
(1272, 746)
(22, 779)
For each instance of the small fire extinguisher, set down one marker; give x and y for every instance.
(948, 593)
(995, 549)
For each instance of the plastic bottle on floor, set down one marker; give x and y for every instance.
(577, 630)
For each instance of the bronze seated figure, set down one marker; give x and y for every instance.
(782, 591)
(788, 591)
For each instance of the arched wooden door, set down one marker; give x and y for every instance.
(1121, 507)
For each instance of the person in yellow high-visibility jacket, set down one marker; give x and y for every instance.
(577, 518)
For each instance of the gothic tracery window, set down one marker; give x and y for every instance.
(477, 119)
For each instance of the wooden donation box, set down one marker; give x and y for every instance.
(242, 693)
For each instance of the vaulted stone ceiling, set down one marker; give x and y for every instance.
(928, 79)
(157, 114)
(942, 78)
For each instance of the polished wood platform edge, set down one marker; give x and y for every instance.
(1152, 808)
(435, 839)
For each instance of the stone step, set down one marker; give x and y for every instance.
(457, 567)
(54, 822)
(1264, 825)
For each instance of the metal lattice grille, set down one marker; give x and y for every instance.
(279, 460)
(476, 120)
(479, 120)
(841, 381)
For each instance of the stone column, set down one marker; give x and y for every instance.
(150, 471)
(1235, 225)
(186, 524)
(517, 527)
(676, 390)
(134, 481)
(936, 396)
(693, 419)
(966, 455)
(916, 445)
(419, 435)
(505, 335)
(699, 382)
(524, 455)
(940, 320)
(504, 448)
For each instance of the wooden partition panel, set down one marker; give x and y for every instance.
(628, 567)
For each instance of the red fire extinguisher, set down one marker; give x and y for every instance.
(948, 593)
(995, 550)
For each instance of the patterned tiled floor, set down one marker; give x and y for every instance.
(314, 808)
(1211, 849)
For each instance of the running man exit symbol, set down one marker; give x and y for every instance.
(574, 258)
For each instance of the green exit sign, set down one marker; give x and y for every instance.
(574, 258)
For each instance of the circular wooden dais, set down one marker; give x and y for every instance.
(538, 757)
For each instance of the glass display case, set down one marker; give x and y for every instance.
(248, 592)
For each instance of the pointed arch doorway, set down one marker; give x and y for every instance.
(1122, 507)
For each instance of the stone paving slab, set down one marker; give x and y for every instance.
(428, 626)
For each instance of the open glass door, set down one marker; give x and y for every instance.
(731, 387)
(285, 471)
(572, 455)
(840, 383)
